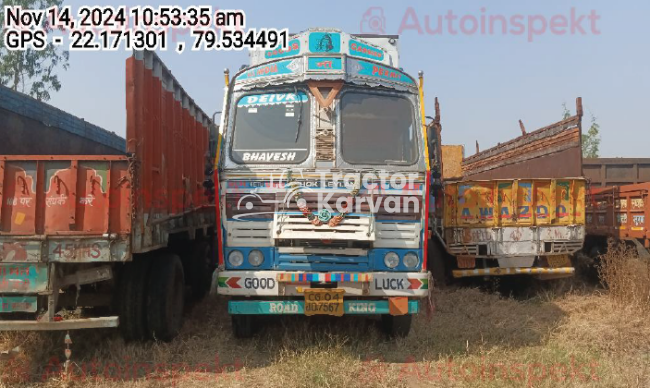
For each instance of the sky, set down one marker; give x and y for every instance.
(485, 82)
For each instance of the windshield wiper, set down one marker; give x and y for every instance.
(295, 90)
(398, 162)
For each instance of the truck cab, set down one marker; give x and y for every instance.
(323, 172)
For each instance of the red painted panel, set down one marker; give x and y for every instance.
(168, 146)
(187, 159)
(92, 199)
(177, 183)
(2, 181)
(199, 148)
(168, 136)
(120, 199)
(620, 211)
(65, 197)
(19, 198)
(60, 189)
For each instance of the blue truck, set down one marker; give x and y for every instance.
(323, 172)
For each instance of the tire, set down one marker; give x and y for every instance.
(200, 270)
(131, 299)
(396, 326)
(436, 257)
(165, 297)
(597, 251)
(243, 326)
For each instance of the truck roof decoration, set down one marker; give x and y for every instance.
(320, 41)
(329, 54)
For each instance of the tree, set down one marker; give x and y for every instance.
(567, 113)
(590, 140)
(32, 71)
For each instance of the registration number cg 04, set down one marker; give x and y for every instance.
(324, 301)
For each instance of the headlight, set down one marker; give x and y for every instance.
(255, 258)
(236, 258)
(411, 260)
(391, 260)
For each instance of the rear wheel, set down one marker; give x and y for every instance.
(131, 298)
(436, 259)
(200, 270)
(165, 297)
(592, 272)
(396, 326)
(243, 326)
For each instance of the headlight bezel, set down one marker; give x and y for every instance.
(409, 255)
(391, 256)
(261, 255)
(236, 253)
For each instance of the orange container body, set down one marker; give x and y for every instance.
(107, 207)
(621, 212)
(68, 195)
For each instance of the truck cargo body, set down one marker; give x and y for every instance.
(517, 209)
(554, 151)
(608, 172)
(619, 212)
(82, 231)
(518, 224)
(65, 208)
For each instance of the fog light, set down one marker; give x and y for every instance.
(411, 260)
(391, 260)
(255, 258)
(236, 258)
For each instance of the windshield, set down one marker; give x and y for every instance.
(272, 128)
(377, 129)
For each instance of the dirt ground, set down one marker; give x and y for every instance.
(475, 338)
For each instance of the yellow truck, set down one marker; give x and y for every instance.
(514, 227)
(515, 209)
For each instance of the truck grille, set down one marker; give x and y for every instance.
(297, 226)
(318, 259)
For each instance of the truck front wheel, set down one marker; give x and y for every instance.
(165, 297)
(201, 267)
(243, 326)
(436, 257)
(396, 326)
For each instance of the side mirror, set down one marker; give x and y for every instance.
(214, 138)
(436, 174)
(436, 182)
(436, 186)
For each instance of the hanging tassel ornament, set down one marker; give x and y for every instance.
(304, 209)
(336, 220)
(323, 217)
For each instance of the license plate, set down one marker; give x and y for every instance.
(559, 261)
(23, 278)
(15, 304)
(324, 301)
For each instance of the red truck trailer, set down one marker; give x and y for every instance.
(106, 239)
(619, 212)
(608, 172)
